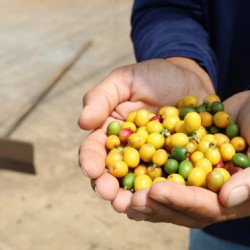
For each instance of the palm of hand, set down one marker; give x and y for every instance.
(150, 84)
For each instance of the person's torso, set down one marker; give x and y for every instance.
(228, 23)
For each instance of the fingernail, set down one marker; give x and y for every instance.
(144, 209)
(237, 196)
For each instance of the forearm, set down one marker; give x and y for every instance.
(163, 29)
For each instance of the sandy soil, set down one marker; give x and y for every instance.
(56, 209)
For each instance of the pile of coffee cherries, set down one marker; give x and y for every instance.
(190, 143)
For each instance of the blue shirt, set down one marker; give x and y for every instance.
(215, 33)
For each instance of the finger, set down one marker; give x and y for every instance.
(243, 119)
(196, 202)
(103, 99)
(92, 154)
(239, 107)
(145, 208)
(236, 190)
(106, 186)
(122, 201)
(234, 103)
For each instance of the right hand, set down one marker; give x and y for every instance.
(150, 85)
(192, 206)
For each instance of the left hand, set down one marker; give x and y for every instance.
(149, 84)
(196, 207)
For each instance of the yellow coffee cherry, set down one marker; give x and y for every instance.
(221, 119)
(197, 177)
(196, 156)
(205, 164)
(177, 178)
(190, 101)
(192, 121)
(209, 99)
(227, 151)
(239, 143)
(179, 139)
(220, 139)
(131, 116)
(168, 110)
(142, 117)
(170, 121)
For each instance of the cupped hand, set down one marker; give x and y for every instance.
(150, 84)
(198, 207)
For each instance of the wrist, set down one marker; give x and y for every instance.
(195, 68)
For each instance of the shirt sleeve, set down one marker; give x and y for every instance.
(162, 29)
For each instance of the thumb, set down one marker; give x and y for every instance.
(244, 118)
(236, 190)
(102, 100)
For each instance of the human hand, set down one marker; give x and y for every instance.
(194, 206)
(149, 85)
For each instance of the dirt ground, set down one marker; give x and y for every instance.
(56, 209)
